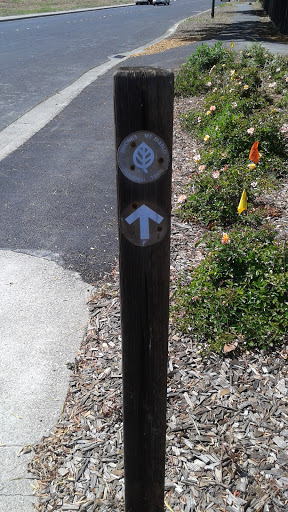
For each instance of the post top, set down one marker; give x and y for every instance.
(144, 70)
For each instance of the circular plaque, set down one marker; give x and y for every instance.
(143, 157)
(143, 224)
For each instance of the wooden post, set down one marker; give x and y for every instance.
(213, 9)
(143, 120)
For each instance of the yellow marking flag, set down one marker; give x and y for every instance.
(243, 202)
(232, 44)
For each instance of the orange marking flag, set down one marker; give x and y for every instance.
(254, 153)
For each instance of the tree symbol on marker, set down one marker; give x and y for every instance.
(143, 157)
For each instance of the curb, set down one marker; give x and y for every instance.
(58, 13)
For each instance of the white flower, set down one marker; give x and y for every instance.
(206, 138)
(251, 130)
(182, 198)
(212, 108)
(199, 119)
(216, 174)
(272, 85)
(234, 104)
(209, 84)
(284, 128)
(254, 184)
(196, 158)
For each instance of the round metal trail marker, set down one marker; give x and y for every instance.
(143, 224)
(143, 157)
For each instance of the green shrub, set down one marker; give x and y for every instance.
(228, 126)
(239, 292)
(213, 196)
(195, 73)
(257, 55)
(276, 66)
(232, 132)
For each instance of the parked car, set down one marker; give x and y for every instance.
(147, 2)
(158, 2)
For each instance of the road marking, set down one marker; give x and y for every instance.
(19, 132)
(14, 136)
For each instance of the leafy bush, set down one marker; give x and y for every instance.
(256, 54)
(229, 128)
(194, 74)
(239, 293)
(213, 196)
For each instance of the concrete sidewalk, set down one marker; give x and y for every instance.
(43, 315)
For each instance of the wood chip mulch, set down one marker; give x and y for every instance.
(227, 417)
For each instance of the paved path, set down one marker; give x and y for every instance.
(43, 316)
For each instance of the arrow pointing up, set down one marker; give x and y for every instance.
(144, 213)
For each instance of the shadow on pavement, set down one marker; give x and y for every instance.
(249, 30)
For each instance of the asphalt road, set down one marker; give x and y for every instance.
(39, 56)
(57, 194)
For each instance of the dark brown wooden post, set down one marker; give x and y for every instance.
(144, 120)
(213, 9)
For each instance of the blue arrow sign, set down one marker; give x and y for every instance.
(144, 213)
